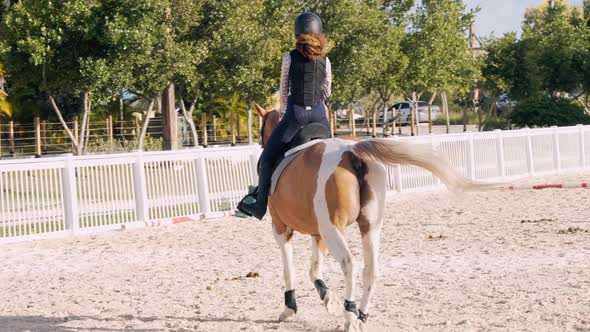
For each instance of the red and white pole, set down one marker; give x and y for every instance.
(582, 185)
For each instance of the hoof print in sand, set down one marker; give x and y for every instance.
(572, 230)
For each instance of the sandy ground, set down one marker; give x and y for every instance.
(493, 261)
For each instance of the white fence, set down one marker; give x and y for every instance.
(59, 196)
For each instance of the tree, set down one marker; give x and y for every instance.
(246, 42)
(61, 43)
(5, 107)
(550, 59)
(437, 49)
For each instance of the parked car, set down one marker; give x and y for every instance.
(505, 104)
(403, 111)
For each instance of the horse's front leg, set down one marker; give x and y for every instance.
(283, 237)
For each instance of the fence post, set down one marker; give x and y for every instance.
(202, 183)
(582, 147)
(140, 189)
(76, 131)
(332, 125)
(429, 119)
(250, 139)
(556, 150)
(204, 126)
(214, 132)
(232, 125)
(44, 136)
(11, 138)
(37, 137)
(70, 195)
(500, 153)
(110, 128)
(529, 152)
(470, 157)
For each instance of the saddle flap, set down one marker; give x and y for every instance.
(312, 131)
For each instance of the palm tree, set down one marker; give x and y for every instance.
(231, 109)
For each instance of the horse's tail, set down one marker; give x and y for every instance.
(397, 152)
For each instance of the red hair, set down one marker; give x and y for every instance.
(313, 45)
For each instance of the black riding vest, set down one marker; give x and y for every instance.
(305, 79)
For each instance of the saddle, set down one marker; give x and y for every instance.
(305, 137)
(308, 135)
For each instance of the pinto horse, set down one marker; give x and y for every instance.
(329, 186)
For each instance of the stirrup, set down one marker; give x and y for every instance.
(250, 198)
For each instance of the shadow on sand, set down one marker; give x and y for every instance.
(63, 324)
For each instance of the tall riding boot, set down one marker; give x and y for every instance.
(258, 209)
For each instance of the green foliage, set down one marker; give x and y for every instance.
(499, 122)
(548, 111)
(456, 118)
(550, 58)
(226, 51)
(119, 146)
(436, 47)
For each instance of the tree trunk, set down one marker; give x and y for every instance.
(121, 114)
(144, 125)
(188, 117)
(431, 100)
(232, 121)
(414, 118)
(169, 121)
(429, 119)
(238, 128)
(82, 139)
(56, 109)
(446, 110)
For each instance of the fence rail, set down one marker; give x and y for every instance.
(65, 195)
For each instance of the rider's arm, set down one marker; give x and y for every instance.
(284, 83)
(327, 85)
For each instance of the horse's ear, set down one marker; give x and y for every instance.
(260, 110)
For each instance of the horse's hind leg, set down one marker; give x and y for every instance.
(339, 249)
(316, 275)
(283, 237)
(370, 221)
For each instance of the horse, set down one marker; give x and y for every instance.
(330, 185)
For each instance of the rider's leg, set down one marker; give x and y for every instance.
(273, 148)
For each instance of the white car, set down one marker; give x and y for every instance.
(403, 110)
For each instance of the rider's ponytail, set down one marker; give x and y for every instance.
(313, 45)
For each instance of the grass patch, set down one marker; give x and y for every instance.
(456, 118)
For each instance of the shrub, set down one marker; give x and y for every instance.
(118, 146)
(548, 111)
(456, 118)
(497, 123)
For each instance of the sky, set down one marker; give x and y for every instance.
(500, 16)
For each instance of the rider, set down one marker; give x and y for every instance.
(306, 79)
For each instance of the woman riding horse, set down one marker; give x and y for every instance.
(306, 78)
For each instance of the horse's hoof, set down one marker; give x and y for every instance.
(353, 324)
(288, 313)
(331, 304)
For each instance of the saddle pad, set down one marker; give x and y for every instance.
(289, 156)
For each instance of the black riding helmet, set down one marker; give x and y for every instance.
(308, 23)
